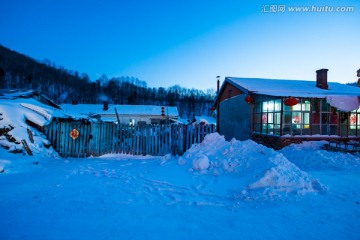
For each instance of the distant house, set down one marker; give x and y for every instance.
(279, 112)
(128, 114)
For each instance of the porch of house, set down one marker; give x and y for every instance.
(277, 125)
(334, 143)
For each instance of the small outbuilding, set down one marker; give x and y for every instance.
(277, 112)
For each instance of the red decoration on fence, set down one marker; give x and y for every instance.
(249, 99)
(74, 134)
(291, 101)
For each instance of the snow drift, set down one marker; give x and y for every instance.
(261, 172)
(14, 123)
(309, 156)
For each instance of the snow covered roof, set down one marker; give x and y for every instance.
(294, 88)
(121, 109)
(27, 109)
(15, 93)
(11, 94)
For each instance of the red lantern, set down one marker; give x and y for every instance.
(291, 101)
(249, 99)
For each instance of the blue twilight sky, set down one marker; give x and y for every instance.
(187, 42)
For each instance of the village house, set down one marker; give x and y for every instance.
(126, 114)
(277, 113)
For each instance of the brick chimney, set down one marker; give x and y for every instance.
(106, 106)
(321, 79)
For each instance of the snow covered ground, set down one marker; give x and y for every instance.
(216, 190)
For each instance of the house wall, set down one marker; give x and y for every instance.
(235, 118)
(229, 91)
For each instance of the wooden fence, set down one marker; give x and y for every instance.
(77, 139)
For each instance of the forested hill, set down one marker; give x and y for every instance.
(65, 86)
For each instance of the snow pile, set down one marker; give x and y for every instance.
(201, 162)
(309, 156)
(260, 172)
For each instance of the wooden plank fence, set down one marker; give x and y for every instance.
(95, 139)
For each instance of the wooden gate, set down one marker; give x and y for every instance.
(77, 139)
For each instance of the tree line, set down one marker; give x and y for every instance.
(18, 71)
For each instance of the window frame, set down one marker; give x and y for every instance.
(315, 117)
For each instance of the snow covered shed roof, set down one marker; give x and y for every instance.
(11, 94)
(294, 88)
(15, 112)
(86, 109)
